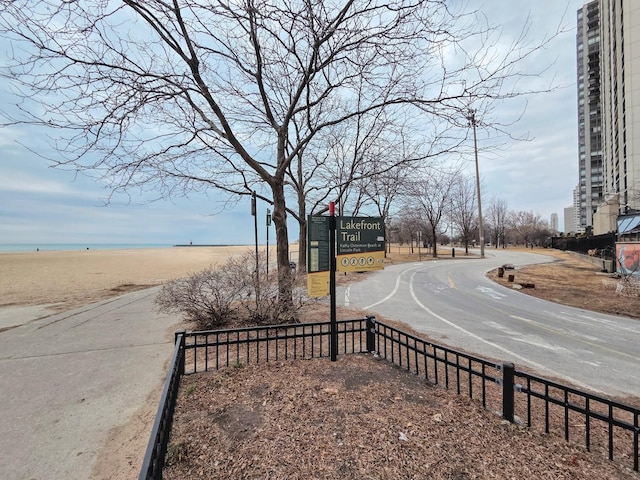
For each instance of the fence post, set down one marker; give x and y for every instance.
(371, 333)
(180, 336)
(508, 373)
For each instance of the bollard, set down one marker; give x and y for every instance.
(453, 253)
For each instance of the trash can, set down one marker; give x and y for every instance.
(500, 272)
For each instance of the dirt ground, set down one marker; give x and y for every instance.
(362, 418)
(359, 418)
(569, 280)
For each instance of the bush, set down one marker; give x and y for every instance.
(229, 293)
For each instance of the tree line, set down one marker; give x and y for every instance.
(437, 205)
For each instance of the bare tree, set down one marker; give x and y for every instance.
(327, 169)
(528, 227)
(360, 165)
(497, 214)
(464, 210)
(179, 96)
(432, 196)
(407, 226)
(634, 199)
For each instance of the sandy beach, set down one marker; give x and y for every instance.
(62, 280)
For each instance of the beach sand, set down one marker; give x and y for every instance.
(63, 280)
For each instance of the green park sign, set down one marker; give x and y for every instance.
(360, 247)
(361, 244)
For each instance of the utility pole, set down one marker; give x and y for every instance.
(472, 122)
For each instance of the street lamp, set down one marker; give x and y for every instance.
(472, 122)
(268, 225)
(254, 212)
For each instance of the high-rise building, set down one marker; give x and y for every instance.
(570, 219)
(589, 113)
(554, 223)
(576, 211)
(572, 214)
(620, 73)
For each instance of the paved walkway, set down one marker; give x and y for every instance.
(67, 379)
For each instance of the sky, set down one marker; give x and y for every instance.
(41, 204)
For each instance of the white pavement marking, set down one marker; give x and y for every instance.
(491, 293)
(576, 336)
(494, 345)
(395, 288)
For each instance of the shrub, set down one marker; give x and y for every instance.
(204, 298)
(229, 293)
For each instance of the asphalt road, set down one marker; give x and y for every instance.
(453, 302)
(66, 380)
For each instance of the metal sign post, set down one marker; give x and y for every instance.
(333, 350)
(350, 244)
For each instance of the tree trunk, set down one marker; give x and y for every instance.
(302, 241)
(282, 243)
(435, 243)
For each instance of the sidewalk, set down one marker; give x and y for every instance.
(67, 380)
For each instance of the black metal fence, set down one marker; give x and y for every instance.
(214, 349)
(605, 425)
(605, 245)
(439, 365)
(203, 351)
(154, 458)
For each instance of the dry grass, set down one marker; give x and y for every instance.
(572, 281)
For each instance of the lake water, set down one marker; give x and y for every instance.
(51, 247)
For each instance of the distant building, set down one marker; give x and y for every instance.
(570, 219)
(572, 214)
(588, 49)
(554, 224)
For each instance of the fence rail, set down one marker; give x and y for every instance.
(215, 349)
(602, 421)
(439, 365)
(153, 462)
(594, 414)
